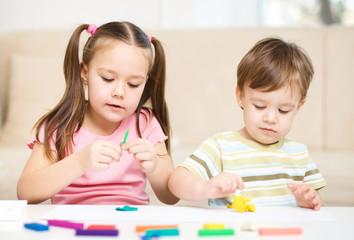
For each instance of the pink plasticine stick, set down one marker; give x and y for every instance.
(279, 231)
(65, 224)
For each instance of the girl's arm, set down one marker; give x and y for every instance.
(185, 185)
(41, 178)
(157, 165)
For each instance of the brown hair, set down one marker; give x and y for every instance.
(273, 63)
(67, 116)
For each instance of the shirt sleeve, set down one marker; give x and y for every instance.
(313, 177)
(205, 162)
(41, 140)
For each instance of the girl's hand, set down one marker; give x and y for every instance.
(306, 196)
(98, 155)
(144, 152)
(222, 185)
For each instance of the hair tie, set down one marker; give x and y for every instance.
(149, 37)
(92, 28)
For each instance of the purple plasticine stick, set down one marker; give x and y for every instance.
(95, 232)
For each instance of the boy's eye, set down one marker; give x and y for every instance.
(283, 112)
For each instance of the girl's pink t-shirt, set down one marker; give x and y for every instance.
(123, 182)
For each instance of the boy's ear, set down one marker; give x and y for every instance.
(239, 97)
(83, 73)
(301, 104)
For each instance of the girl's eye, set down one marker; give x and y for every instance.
(107, 79)
(259, 107)
(133, 85)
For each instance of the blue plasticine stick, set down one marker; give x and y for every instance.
(162, 232)
(36, 226)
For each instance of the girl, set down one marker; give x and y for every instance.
(77, 156)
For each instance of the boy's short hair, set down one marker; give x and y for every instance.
(273, 63)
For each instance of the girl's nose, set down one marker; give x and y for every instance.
(118, 90)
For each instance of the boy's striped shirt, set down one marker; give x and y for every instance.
(265, 169)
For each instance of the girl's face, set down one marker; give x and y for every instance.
(116, 77)
(268, 116)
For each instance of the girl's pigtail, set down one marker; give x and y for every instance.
(157, 76)
(67, 116)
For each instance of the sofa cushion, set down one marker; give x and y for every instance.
(36, 85)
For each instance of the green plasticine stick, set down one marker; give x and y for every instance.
(216, 232)
(125, 137)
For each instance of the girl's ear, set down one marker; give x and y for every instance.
(83, 73)
(239, 97)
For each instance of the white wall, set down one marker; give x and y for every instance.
(21, 15)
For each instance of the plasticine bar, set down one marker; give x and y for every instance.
(101, 227)
(213, 226)
(65, 224)
(36, 226)
(144, 228)
(95, 232)
(161, 232)
(279, 231)
(216, 232)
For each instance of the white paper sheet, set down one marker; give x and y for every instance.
(12, 210)
(179, 214)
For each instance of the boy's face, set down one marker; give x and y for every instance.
(268, 116)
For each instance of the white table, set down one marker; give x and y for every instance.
(342, 228)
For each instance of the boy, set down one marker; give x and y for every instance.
(272, 83)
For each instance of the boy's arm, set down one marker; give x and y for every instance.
(306, 196)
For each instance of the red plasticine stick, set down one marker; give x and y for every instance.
(101, 227)
(279, 231)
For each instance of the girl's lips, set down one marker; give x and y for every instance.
(114, 106)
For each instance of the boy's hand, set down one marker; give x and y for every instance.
(222, 185)
(98, 155)
(306, 196)
(144, 152)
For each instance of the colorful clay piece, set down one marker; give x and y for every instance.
(101, 227)
(161, 232)
(65, 224)
(96, 232)
(239, 204)
(214, 226)
(127, 208)
(36, 227)
(216, 232)
(279, 231)
(143, 228)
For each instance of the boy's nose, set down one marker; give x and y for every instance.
(270, 116)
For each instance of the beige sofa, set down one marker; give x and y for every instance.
(201, 71)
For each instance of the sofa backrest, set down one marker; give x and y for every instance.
(201, 75)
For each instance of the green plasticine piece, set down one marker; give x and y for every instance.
(216, 232)
(125, 136)
(126, 208)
